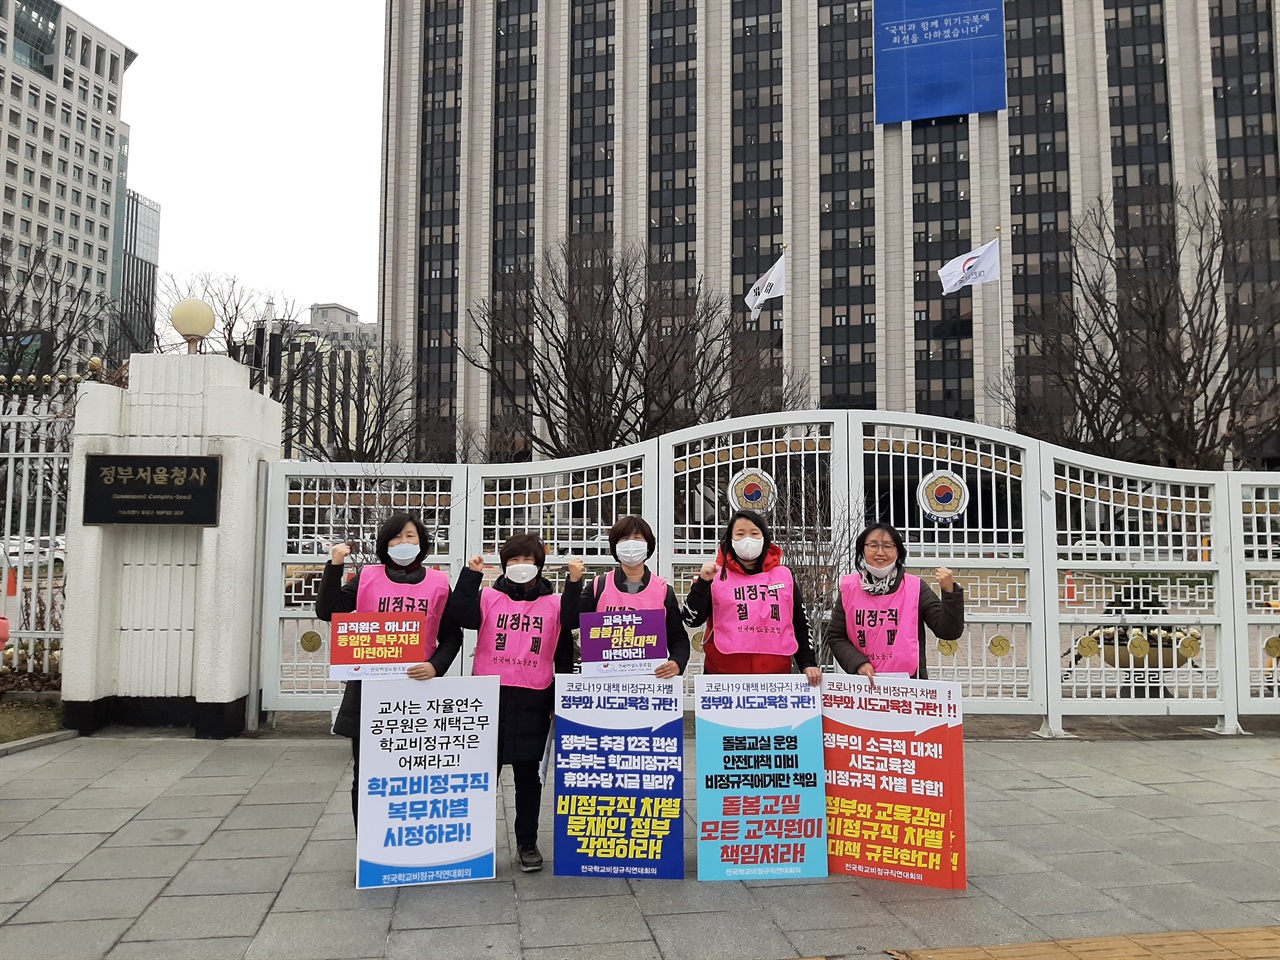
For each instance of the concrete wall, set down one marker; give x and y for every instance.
(159, 628)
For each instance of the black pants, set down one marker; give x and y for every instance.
(355, 781)
(528, 801)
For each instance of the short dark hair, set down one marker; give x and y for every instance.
(391, 528)
(726, 541)
(860, 545)
(628, 526)
(523, 545)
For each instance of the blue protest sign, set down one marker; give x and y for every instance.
(761, 781)
(619, 778)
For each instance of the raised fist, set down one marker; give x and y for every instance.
(946, 579)
(338, 555)
(708, 571)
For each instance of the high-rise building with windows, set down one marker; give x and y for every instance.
(716, 131)
(65, 153)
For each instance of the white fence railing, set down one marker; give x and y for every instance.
(36, 420)
(1093, 586)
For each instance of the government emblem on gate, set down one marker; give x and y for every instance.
(752, 489)
(943, 496)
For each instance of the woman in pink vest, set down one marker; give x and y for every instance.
(401, 583)
(751, 605)
(525, 639)
(878, 622)
(633, 586)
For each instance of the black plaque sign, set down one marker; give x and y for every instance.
(163, 489)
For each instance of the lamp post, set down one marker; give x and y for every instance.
(193, 319)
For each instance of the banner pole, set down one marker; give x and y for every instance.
(1000, 285)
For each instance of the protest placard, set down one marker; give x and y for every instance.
(623, 642)
(427, 788)
(760, 793)
(619, 777)
(895, 779)
(375, 646)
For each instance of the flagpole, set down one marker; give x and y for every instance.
(1000, 287)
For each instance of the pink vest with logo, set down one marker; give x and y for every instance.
(517, 641)
(378, 593)
(885, 628)
(652, 597)
(754, 614)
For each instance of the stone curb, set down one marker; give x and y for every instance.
(41, 740)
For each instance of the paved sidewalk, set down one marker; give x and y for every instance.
(1256, 943)
(171, 848)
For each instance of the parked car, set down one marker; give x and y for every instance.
(35, 551)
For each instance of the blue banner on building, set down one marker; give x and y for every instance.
(761, 782)
(938, 58)
(619, 763)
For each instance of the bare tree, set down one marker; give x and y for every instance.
(238, 310)
(1166, 349)
(356, 406)
(599, 349)
(51, 322)
(818, 555)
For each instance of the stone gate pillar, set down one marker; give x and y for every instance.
(159, 618)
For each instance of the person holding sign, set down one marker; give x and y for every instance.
(751, 605)
(526, 638)
(633, 586)
(878, 622)
(400, 583)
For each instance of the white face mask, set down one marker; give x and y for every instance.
(748, 548)
(521, 572)
(881, 571)
(632, 552)
(403, 554)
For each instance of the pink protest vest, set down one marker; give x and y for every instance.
(754, 614)
(517, 641)
(652, 597)
(885, 628)
(377, 593)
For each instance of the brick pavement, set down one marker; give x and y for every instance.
(138, 847)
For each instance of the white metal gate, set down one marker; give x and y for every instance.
(1093, 587)
(36, 421)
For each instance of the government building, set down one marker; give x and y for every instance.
(717, 131)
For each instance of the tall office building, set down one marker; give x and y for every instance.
(715, 131)
(61, 84)
(139, 267)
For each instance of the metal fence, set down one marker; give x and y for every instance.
(1093, 587)
(36, 421)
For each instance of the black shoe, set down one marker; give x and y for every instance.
(530, 858)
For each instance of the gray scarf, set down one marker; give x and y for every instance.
(879, 586)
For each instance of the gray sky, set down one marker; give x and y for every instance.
(257, 128)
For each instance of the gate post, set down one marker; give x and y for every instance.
(1042, 598)
(159, 628)
(1233, 638)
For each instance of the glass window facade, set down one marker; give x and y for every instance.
(591, 100)
(673, 138)
(1242, 48)
(514, 172)
(758, 170)
(1039, 164)
(941, 231)
(439, 218)
(847, 215)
